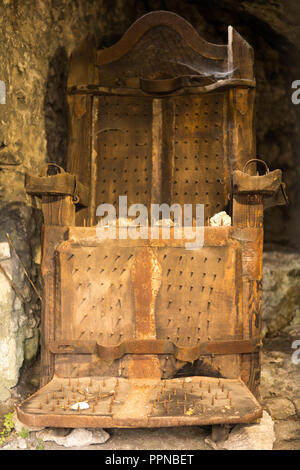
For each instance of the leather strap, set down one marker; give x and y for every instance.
(157, 347)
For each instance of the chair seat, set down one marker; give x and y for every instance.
(128, 403)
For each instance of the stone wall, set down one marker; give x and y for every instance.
(37, 37)
(281, 293)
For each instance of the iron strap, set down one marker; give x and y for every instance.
(157, 347)
(142, 87)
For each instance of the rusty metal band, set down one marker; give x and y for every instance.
(157, 347)
(161, 86)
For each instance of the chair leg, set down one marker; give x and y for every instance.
(220, 432)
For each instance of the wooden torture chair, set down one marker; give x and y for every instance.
(160, 117)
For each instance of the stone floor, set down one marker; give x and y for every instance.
(280, 392)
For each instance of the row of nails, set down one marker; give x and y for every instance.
(193, 384)
(90, 383)
(67, 402)
(214, 397)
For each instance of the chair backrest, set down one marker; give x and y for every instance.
(160, 117)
